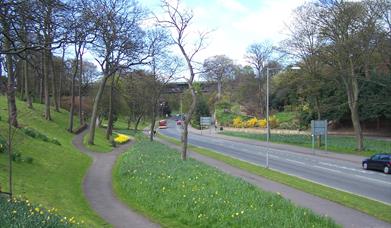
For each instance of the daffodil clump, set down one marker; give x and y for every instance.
(152, 177)
(121, 138)
(21, 213)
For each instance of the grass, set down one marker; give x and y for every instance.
(101, 144)
(368, 206)
(55, 176)
(21, 213)
(339, 144)
(152, 178)
(285, 116)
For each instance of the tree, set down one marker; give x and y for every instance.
(351, 30)
(217, 69)
(80, 32)
(178, 21)
(258, 54)
(119, 43)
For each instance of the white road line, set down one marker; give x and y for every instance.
(374, 180)
(302, 163)
(332, 170)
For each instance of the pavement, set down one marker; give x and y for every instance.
(347, 217)
(97, 187)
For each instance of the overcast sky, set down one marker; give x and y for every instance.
(237, 23)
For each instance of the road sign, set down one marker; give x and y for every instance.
(205, 120)
(318, 128)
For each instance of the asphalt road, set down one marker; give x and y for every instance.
(339, 174)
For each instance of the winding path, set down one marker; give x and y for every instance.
(98, 189)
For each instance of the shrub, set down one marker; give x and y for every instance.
(3, 145)
(121, 138)
(273, 121)
(251, 122)
(237, 122)
(38, 135)
(262, 123)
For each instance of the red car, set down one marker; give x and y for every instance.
(162, 124)
(179, 122)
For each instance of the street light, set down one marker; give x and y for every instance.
(267, 109)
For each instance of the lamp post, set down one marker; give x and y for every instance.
(267, 109)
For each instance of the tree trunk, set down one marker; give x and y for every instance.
(218, 90)
(72, 108)
(138, 122)
(54, 87)
(12, 112)
(109, 130)
(26, 83)
(317, 104)
(60, 77)
(81, 119)
(153, 120)
(187, 121)
(95, 110)
(46, 85)
(353, 93)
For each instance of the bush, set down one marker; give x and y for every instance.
(38, 135)
(273, 121)
(237, 122)
(3, 145)
(121, 138)
(251, 122)
(262, 123)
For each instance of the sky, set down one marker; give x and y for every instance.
(236, 24)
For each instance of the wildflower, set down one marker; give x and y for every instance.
(242, 212)
(237, 213)
(37, 209)
(14, 212)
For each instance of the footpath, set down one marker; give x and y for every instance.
(345, 216)
(97, 187)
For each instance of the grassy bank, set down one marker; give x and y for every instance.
(368, 206)
(101, 144)
(21, 213)
(153, 179)
(340, 144)
(54, 176)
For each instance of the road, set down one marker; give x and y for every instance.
(339, 174)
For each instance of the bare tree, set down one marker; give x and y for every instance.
(119, 42)
(5, 18)
(217, 69)
(257, 55)
(178, 21)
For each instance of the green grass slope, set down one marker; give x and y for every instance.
(54, 178)
(153, 179)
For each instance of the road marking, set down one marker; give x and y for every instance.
(332, 170)
(375, 180)
(346, 168)
(302, 163)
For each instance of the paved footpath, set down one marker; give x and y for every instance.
(98, 189)
(345, 216)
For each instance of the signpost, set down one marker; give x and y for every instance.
(205, 121)
(318, 128)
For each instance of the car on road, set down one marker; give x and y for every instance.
(162, 124)
(179, 122)
(380, 162)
